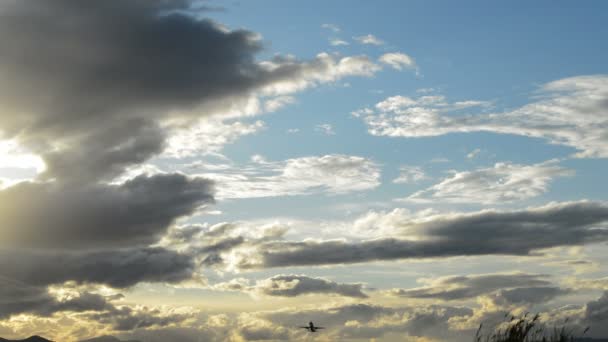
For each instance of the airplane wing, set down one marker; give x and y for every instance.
(304, 327)
(319, 327)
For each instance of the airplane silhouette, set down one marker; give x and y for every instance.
(311, 327)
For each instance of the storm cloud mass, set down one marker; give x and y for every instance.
(94, 78)
(95, 86)
(135, 213)
(114, 267)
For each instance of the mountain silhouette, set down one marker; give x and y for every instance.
(34, 338)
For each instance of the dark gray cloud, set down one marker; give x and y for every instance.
(95, 78)
(529, 295)
(18, 298)
(296, 285)
(137, 212)
(597, 311)
(92, 86)
(518, 232)
(210, 243)
(517, 285)
(293, 285)
(125, 318)
(117, 268)
(21, 298)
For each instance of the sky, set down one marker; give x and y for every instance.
(229, 171)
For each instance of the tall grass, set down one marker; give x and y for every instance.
(527, 329)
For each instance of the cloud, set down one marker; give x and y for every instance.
(208, 136)
(342, 322)
(117, 79)
(597, 311)
(119, 268)
(211, 245)
(338, 42)
(564, 112)
(292, 285)
(82, 65)
(410, 174)
(333, 174)
(293, 75)
(95, 91)
(326, 129)
(369, 39)
(473, 154)
(278, 102)
(135, 213)
(352, 321)
(502, 183)
(19, 298)
(261, 330)
(125, 318)
(529, 295)
(598, 283)
(471, 286)
(486, 232)
(332, 27)
(397, 60)
(368, 321)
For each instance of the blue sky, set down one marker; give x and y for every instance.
(233, 171)
(500, 53)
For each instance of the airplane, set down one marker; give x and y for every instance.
(311, 327)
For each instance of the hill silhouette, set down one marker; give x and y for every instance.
(34, 338)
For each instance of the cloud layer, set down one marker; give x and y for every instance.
(502, 183)
(569, 112)
(486, 232)
(134, 213)
(293, 285)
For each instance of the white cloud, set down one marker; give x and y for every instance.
(208, 136)
(326, 129)
(474, 153)
(426, 90)
(276, 103)
(410, 174)
(369, 39)
(397, 60)
(504, 182)
(337, 42)
(324, 68)
(570, 112)
(332, 27)
(333, 174)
